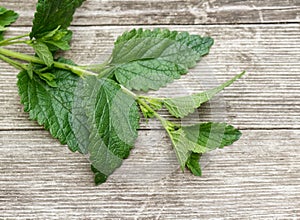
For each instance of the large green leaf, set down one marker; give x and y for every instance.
(199, 139)
(111, 122)
(145, 59)
(91, 115)
(50, 106)
(51, 14)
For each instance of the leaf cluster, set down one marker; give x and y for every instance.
(95, 109)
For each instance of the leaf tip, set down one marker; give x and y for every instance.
(99, 177)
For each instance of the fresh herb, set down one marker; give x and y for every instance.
(7, 17)
(94, 109)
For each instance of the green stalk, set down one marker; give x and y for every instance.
(14, 63)
(165, 123)
(75, 69)
(14, 38)
(96, 67)
(128, 92)
(28, 42)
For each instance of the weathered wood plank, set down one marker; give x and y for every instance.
(256, 178)
(266, 98)
(116, 12)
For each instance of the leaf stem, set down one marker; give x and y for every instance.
(28, 42)
(148, 98)
(128, 92)
(96, 67)
(14, 63)
(75, 69)
(14, 38)
(165, 123)
(103, 69)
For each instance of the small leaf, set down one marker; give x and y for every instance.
(155, 104)
(50, 34)
(99, 177)
(146, 113)
(53, 13)
(43, 52)
(52, 84)
(183, 146)
(145, 59)
(201, 138)
(58, 39)
(2, 10)
(182, 106)
(49, 78)
(193, 164)
(212, 135)
(2, 28)
(7, 17)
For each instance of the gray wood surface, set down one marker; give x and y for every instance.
(256, 178)
(116, 12)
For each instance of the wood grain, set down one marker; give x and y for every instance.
(116, 12)
(256, 178)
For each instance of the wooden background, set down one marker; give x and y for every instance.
(256, 178)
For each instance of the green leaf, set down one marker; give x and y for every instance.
(53, 13)
(2, 28)
(199, 139)
(212, 135)
(43, 72)
(155, 104)
(193, 164)
(99, 177)
(148, 74)
(2, 10)
(182, 146)
(111, 121)
(7, 17)
(49, 106)
(49, 78)
(182, 106)
(146, 113)
(145, 59)
(57, 39)
(30, 70)
(43, 52)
